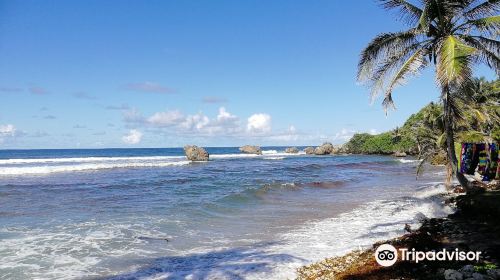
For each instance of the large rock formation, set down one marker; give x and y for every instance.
(248, 149)
(335, 150)
(291, 150)
(324, 149)
(309, 150)
(195, 153)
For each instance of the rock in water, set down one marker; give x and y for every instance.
(291, 150)
(467, 271)
(477, 276)
(336, 150)
(248, 149)
(399, 154)
(196, 153)
(324, 149)
(493, 273)
(309, 150)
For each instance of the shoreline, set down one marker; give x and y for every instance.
(473, 227)
(322, 190)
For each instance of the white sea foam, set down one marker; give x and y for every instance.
(360, 228)
(228, 156)
(265, 154)
(70, 251)
(46, 169)
(100, 159)
(431, 191)
(314, 241)
(84, 249)
(409, 160)
(82, 159)
(53, 165)
(274, 158)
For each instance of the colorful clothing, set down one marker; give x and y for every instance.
(484, 157)
(476, 148)
(466, 157)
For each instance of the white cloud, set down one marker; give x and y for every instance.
(373, 131)
(134, 136)
(259, 123)
(7, 130)
(224, 123)
(225, 116)
(195, 122)
(168, 118)
(344, 135)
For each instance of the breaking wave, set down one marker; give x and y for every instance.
(25, 166)
(83, 167)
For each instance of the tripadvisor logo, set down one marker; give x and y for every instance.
(387, 255)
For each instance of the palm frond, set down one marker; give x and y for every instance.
(487, 24)
(385, 69)
(388, 103)
(441, 140)
(410, 67)
(489, 44)
(488, 8)
(382, 46)
(409, 13)
(454, 62)
(424, 22)
(487, 51)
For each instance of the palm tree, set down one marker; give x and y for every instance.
(480, 108)
(452, 35)
(396, 135)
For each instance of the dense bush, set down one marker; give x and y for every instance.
(384, 143)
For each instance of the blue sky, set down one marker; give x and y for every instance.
(96, 74)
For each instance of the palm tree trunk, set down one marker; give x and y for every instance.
(450, 142)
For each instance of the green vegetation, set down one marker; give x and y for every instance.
(384, 143)
(483, 268)
(451, 35)
(423, 133)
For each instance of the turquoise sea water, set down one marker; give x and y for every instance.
(151, 214)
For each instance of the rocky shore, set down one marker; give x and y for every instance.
(195, 153)
(474, 227)
(249, 149)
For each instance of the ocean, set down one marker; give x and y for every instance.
(151, 214)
